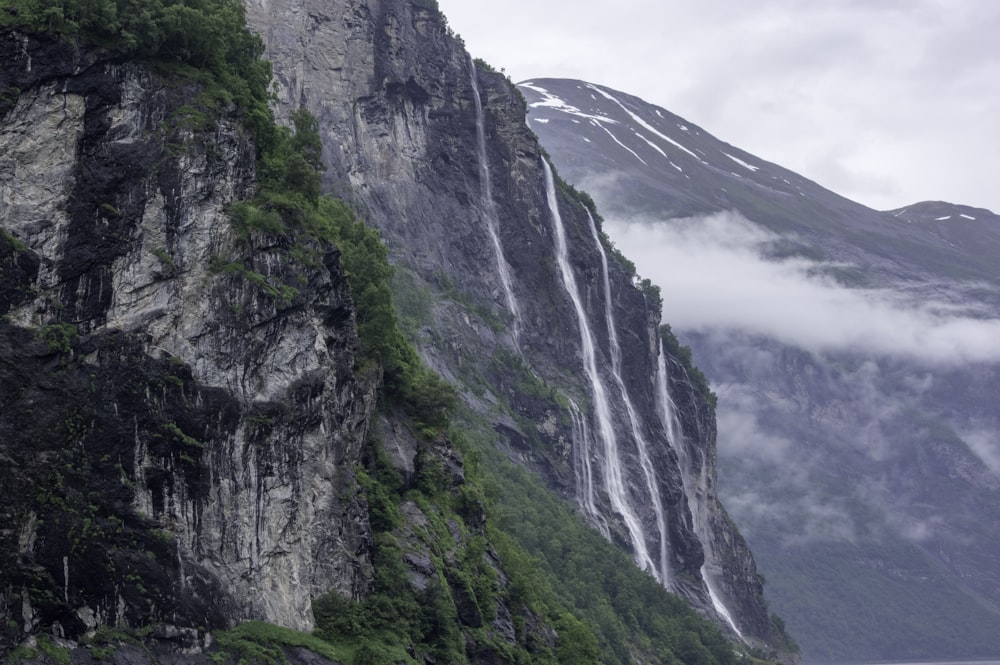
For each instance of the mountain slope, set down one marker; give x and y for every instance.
(501, 274)
(209, 414)
(852, 351)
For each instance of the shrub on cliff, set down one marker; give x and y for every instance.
(208, 35)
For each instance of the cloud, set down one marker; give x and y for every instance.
(740, 430)
(784, 490)
(816, 518)
(985, 444)
(713, 277)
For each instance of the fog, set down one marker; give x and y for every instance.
(984, 442)
(714, 277)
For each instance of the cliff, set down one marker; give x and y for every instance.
(156, 404)
(436, 152)
(190, 431)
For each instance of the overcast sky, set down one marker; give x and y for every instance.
(887, 102)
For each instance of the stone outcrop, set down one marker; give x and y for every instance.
(177, 440)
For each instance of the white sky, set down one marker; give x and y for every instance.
(887, 102)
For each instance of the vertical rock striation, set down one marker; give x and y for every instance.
(181, 408)
(177, 439)
(390, 86)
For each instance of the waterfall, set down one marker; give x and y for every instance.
(692, 486)
(613, 480)
(583, 472)
(665, 404)
(489, 206)
(652, 484)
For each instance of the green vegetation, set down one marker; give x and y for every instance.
(175, 434)
(632, 616)
(290, 212)
(484, 66)
(164, 257)
(21, 653)
(203, 39)
(413, 301)
(7, 238)
(652, 292)
(512, 366)
(56, 653)
(59, 337)
(443, 609)
(673, 347)
(261, 643)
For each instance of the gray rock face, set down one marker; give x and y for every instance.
(226, 421)
(207, 428)
(392, 90)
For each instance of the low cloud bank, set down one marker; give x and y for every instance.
(714, 277)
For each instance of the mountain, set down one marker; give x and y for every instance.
(511, 293)
(854, 357)
(217, 443)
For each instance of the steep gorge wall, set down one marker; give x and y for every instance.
(177, 440)
(186, 416)
(392, 90)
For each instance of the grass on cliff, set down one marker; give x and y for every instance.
(675, 349)
(632, 617)
(207, 39)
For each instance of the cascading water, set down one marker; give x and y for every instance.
(652, 484)
(613, 480)
(693, 484)
(665, 404)
(583, 472)
(489, 207)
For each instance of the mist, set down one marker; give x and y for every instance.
(714, 277)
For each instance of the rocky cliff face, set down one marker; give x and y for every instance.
(177, 439)
(181, 406)
(471, 228)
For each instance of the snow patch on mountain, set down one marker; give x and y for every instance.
(642, 123)
(742, 163)
(652, 145)
(551, 101)
(615, 139)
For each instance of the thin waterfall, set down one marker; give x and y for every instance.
(490, 208)
(613, 480)
(652, 484)
(692, 486)
(665, 403)
(583, 472)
